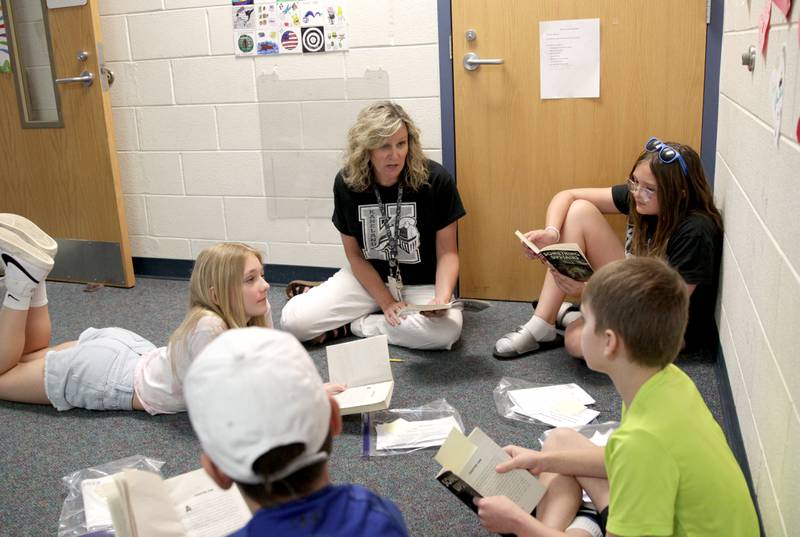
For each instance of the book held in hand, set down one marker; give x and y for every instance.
(363, 365)
(142, 504)
(567, 258)
(468, 471)
(465, 304)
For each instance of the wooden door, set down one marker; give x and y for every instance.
(66, 178)
(514, 151)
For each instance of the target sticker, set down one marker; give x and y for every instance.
(313, 39)
(290, 41)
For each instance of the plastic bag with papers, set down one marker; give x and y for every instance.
(84, 512)
(403, 430)
(559, 405)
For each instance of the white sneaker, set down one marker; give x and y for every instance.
(26, 266)
(29, 231)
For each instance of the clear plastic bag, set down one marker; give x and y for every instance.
(597, 433)
(505, 405)
(439, 409)
(72, 522)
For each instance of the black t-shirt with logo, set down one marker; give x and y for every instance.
(422, 213)
(694, 250)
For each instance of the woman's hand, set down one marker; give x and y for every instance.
(333, 389)
(541, 238)
(498, 514)
(526, 459)
(437, 313)
(567, 285)
(391, 311)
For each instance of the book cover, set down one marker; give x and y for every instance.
(567, 258)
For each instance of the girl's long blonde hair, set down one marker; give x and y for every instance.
(374, 125)
(216, 289)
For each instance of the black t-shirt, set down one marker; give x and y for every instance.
(423, 213)
(694, 250)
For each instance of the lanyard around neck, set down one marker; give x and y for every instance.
(385, 217)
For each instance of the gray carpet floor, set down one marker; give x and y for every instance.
(39, 445)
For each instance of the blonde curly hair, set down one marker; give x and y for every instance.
(374, 125)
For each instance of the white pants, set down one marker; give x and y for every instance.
(342, 299)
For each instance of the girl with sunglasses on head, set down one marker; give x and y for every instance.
(671, 214)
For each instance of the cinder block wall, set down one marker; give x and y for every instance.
(213, 147)
(758, 190)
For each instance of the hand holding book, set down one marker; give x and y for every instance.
(566, 258)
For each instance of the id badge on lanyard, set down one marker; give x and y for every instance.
(395, 281)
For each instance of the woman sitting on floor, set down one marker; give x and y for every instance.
(396, 212)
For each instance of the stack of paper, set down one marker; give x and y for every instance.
(402, 434)
(561, 405)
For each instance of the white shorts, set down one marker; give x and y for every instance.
(97, 373)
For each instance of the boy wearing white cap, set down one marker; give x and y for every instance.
(265, 422)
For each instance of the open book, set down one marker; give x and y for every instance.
(567, 258)
(141, 504)
(363, 365)
(466, 304)
(468, 471)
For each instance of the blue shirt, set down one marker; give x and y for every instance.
(346, 510)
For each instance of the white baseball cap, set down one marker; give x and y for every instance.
(252, 390)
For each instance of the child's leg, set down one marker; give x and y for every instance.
(38, 329)
(415, 331)
(586, 226)
(12, 337)
(24, 383)
(334, 303)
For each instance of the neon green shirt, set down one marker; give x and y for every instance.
(670, 470)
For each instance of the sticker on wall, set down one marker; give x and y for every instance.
(313, 39)
(290, 41)
(289, 13)
(777, 85)
(334, 12)
(245, 43)
(785, 6)
(267, 42)
(336, 38)
(279, 27)
(5, 59)
(312, 13)
(266, 16)
(244, 18)
(763, 26)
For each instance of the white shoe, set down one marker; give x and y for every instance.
(25, 264)
(29, 231)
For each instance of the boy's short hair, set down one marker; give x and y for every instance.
(252, 391)
(645, 302)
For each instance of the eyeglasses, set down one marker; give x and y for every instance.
(645, 192)
(666, 153)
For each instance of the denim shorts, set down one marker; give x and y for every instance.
(97, 373)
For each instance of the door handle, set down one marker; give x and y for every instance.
(472, 61)
(86, 78)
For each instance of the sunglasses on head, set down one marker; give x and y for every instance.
(666, 153)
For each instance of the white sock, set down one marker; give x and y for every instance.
(569, 317)
(19, 289)
(540, 329)
(586, 524)
(39, 297)
(16, 302)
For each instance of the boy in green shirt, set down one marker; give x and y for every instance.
(668, 469)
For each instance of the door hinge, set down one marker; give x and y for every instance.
(708, 11)
(450, 38)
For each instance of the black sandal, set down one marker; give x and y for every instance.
(298, 287)
(332, 335)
